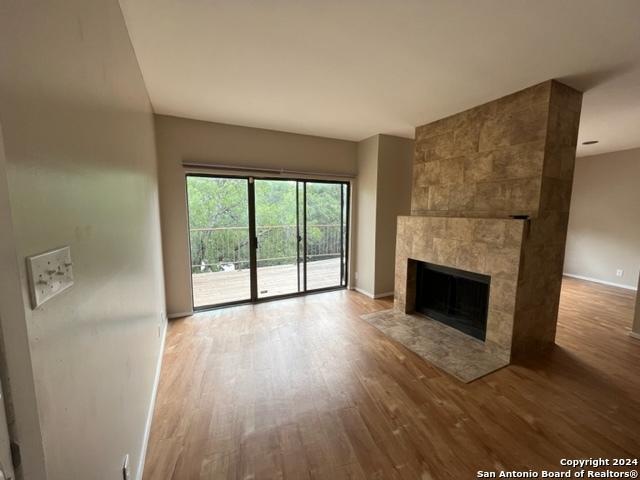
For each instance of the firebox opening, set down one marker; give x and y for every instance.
(455, 297)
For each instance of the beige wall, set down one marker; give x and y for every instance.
(19, 391)
(79, 144)
(395, 164)
(383, 193)
(636, 321)
(180, 139)
(604, 230)
(366, 195)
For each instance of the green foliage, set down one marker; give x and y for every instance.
(275, 202)
(323, 203)
(219, 222)
(219, 202)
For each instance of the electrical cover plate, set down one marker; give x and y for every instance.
(49, 274)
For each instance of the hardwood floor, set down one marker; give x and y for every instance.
(303, 388)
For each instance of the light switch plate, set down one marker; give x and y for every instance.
(49, 273)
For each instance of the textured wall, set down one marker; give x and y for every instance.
(81, 167)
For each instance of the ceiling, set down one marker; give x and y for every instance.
(354, 68)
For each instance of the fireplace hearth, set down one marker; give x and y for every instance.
(454, 297)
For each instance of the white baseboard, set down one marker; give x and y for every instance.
(364, 292)
(603, 282)
(634, 335)
(384, 294)
(171, 316)
(371, 295)
(152, 403)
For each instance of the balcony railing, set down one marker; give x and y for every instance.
(227, 248)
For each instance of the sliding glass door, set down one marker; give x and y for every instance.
(219, 240)
(257, 238)
(277, 234)
(325, 227)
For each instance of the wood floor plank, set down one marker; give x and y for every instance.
(304, 389)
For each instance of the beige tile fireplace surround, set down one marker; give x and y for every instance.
(473, 172)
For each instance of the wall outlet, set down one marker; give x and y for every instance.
(619, 272)
(125, 468)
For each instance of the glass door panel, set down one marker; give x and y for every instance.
(301, 238)
(325, 234)
(219, 239)
(344, 236)
(277, 237)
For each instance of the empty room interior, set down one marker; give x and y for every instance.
(319, 239)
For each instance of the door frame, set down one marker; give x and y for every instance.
(344, 264)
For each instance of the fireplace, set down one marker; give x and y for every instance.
(455, 297)
(490, 194)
